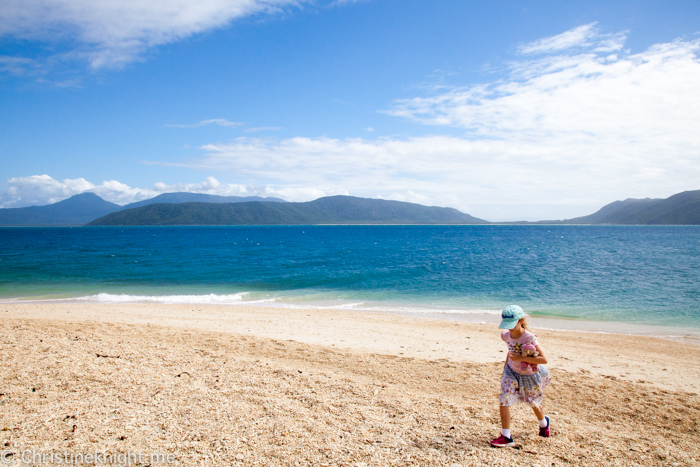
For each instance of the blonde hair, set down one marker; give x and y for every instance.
(525, 321)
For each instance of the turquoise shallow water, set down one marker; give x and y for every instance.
(628, 274)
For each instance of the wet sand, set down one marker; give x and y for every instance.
(272, 386)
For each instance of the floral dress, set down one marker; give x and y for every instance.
(522, 382)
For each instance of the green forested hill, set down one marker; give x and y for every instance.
(330, 210)
(679, 209)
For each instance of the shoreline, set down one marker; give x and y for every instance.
(689, 335)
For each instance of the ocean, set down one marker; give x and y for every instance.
(601, 278)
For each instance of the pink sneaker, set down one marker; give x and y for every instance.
(502, 442)
(544, 432)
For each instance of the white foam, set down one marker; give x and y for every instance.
(211, 299)
(240, 299)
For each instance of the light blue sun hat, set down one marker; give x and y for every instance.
(510, 316)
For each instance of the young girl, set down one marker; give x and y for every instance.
(520, 382)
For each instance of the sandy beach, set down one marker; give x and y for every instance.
(273, 386)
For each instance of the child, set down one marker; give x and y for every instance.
(520, 383)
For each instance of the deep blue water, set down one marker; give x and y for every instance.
(647, 275)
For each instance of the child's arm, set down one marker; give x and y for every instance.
(539, 360)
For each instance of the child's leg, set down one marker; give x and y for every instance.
(506, 438)
(505, 417)
(509, 395)
(543, 421)
(539, 413)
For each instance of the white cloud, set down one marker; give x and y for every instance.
(565, 134)
(110, 33)
(622, 124)
(39, 190)
(488, 178)
(213, 121)
(651, 96)
(210, 186)
(408, 197)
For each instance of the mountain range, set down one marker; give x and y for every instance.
(76, 210)
(86, 207)
(202, 209)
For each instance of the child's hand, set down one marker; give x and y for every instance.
(516, 357)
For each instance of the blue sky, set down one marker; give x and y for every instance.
(503, 109)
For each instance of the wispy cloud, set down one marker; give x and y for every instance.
(262, 128)
(346, 2)
(590, 97)
(582, 36)
(114, 33)
(213, 121)
(587, 37)
(20, 66)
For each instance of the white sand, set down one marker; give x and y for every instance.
(216, 386)
(662, 363)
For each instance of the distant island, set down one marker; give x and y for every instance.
(679, 209)
(202, 209)
(328, 210)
